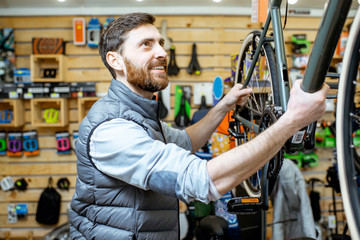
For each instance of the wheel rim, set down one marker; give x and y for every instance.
(260, 98)
(348, 121)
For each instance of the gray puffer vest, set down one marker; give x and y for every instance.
(106, 208)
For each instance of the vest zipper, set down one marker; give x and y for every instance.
(178, 205)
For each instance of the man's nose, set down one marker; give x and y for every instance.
(160, 52)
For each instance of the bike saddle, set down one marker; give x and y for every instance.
(163, 111)
(173, 69)
(182, 119)
(194, 65)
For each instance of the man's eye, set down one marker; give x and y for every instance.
(146, 44)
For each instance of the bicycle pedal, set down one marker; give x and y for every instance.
(244, 205)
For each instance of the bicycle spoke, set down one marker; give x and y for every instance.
(354, 116)
(253, 110)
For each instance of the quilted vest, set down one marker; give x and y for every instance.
(107, 208)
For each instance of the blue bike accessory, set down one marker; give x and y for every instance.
(6, 116)
(108, 21)
(21, 210)
(2, 143)
(75, 139)
(63, 142)
(30, 143)
(93, 32)
(51, 115)
(14, 144)
(218, 89)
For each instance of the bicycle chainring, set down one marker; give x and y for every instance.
(269, 117)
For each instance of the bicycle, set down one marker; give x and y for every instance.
(347, 117)
(262, 66)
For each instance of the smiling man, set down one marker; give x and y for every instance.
(132, 168)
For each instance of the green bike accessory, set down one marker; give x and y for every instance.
(356, 141)
(182, 119)
(299, 44)
(2, 143)
(51, 115)
(296, 158)
(303, 159)
(356, 138)
(310, 159)
(179, 92)
(330, 142)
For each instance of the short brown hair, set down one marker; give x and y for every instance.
(114, 35)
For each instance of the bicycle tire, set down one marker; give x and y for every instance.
(259, 99)
(347, 118)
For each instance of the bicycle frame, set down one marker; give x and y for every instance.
(325, 44)
(274, 17)
(323, 50)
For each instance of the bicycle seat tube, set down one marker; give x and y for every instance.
(280, 53)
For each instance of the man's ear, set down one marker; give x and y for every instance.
(115, 60)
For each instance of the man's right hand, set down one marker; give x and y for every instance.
(305, 108)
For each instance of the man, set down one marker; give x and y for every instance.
(132, 168)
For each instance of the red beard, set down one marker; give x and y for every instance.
(143, 79)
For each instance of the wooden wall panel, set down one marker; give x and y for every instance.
(217, 37)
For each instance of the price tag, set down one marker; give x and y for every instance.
(298, 137)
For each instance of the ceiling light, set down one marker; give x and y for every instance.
(139, 0)
(217, 1)
(61, 0)
(292, 1)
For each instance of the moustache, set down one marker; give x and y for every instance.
(157, 63)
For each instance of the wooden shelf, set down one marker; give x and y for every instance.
(84, 105)
(39, 107)
(39, 63)
(17, 109)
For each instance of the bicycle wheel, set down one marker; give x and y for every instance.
(265, 96)
(347, 123)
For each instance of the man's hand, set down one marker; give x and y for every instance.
(304, 108)
(236, 96)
